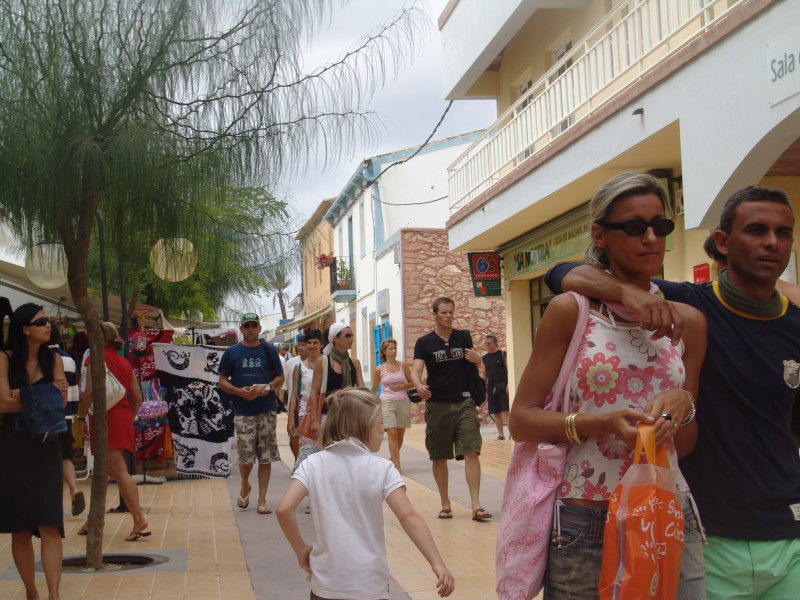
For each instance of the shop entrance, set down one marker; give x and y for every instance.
(540, 297)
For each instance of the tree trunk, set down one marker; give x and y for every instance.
(281, 303)
(78, 278)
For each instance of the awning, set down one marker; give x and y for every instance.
(303, 320)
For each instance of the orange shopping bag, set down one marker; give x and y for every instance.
(643, 538)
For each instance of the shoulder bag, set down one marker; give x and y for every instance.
(534, 475)
(115, 391)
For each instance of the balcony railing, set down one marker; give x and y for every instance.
(630, 40)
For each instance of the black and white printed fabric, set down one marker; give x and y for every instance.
(200, 416)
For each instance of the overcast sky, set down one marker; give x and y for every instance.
(406, 109)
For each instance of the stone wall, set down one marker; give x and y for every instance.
(430, 270)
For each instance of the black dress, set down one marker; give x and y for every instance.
(31, 483)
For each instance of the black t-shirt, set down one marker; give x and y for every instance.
(446, 365)
(496, 371)
(745, 470)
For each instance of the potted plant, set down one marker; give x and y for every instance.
(344, 276)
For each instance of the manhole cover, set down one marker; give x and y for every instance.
(111, 562)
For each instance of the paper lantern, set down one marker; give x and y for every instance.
(173, 259)
(46, 266)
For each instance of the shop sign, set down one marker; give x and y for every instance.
(783, 67)
(484, 267)
(545, 250)
(702, 273)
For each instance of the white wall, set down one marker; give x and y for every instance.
(477, 31)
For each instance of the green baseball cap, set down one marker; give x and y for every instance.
(250, 318)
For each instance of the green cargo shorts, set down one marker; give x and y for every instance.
(741, 569)
(449, 424)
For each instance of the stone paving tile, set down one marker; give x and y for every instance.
(240, 555)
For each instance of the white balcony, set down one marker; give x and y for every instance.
(634, 38)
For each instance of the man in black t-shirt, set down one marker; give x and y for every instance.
(495, 372)
(450, 418)
(745, 471)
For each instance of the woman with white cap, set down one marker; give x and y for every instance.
(335, 371)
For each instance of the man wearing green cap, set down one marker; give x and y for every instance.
(249, 372)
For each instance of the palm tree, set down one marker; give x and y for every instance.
(147, 111)
(277, 282)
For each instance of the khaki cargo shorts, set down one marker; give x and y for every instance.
(449, 425)
(256, 438)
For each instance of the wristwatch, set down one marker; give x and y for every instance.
(690, 417)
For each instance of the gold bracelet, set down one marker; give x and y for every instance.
(575, 429)
(571, 430)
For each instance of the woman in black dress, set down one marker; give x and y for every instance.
(31, 494)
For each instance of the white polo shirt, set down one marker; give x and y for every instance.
(347, 485)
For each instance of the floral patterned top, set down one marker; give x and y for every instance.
(618, 366)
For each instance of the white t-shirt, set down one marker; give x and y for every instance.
(288, 375)
(347, 485)
(306, 379)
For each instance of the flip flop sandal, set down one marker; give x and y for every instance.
(481, 515)
(445, 513)
(244, 501)
(78, 504)
(83, 530)
(263, 510)
(135, 535)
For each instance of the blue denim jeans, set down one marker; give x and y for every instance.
(575, 556)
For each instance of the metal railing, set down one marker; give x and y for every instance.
(630, 40)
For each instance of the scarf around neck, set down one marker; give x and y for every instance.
(343, 358)
(741, 302)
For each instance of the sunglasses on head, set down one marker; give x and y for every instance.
(40, 322)
(637, 226)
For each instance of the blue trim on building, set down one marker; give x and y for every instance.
(371, 167)
(387, 245)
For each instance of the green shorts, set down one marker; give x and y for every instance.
(449, 424)
(741, 569)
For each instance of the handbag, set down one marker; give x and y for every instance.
(534, 475)
(42, 410)
(115, 391)
(413, 395)
(642, 540)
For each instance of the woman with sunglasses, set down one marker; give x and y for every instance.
(622, 377)
(335, 371)
(30, 470)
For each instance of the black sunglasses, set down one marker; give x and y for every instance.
(637, 227)
(40, 322)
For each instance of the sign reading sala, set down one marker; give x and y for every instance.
(783, 67)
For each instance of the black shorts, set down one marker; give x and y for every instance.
(65, 440)
(498, 399)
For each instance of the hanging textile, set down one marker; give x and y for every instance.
(140, 350)
(201, 419)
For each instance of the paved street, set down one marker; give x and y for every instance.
(219, 552)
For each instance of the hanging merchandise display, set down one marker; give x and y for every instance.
(173, 259)
(46, 266)
(140, 350)
(201, 419)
